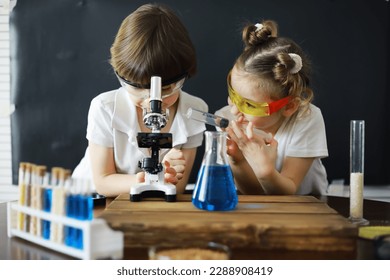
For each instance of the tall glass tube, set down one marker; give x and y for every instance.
(357, 130)
(207, 118)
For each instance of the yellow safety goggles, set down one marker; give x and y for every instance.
(249, 107)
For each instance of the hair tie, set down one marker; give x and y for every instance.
(298, 63)
(259, 26)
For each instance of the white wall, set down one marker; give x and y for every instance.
(7, 191)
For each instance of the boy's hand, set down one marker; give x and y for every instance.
(170, 175)
(176, 160)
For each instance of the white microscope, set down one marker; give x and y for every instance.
(154, 119)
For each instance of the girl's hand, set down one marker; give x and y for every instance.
(259, 153)
(175, 159)
(233, 151)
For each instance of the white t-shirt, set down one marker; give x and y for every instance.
(304, 136)
(112, 122)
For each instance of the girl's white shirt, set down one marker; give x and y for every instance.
(302, 136)
(112, 123)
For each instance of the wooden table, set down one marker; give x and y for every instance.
(262, 227)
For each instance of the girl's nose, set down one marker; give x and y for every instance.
(234, 110)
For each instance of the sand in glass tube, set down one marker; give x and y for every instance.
(356, 172)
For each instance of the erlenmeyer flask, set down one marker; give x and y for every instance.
(215, 189)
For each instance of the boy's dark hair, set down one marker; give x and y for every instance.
(152, 41)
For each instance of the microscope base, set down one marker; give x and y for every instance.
(140, 191)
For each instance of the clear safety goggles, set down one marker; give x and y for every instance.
(168, 87)
(249, 107)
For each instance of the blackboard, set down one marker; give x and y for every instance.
(60, 52)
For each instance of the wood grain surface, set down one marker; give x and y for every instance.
(257, 228)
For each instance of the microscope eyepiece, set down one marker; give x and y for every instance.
(155, 119)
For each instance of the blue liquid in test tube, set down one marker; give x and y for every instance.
(70, 213)
(47, 201)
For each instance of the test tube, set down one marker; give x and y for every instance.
(207, 118)
(47, 202)
(357, 128)
(27, 202)
(70, 208)
(22, 194)
(41, 178)
(220, 122)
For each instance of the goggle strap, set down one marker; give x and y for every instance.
(164, 83)
(278, 104)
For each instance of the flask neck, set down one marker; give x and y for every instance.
(216, 148)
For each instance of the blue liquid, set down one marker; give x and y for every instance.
(78, 207)
(86, 207)
(215, 189)
(47, 200)
(85, 211)
(70, 232)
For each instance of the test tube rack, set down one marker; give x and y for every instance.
(99, 240)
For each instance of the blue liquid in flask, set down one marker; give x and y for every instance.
(215, 189)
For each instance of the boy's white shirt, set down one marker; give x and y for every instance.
(112, 122)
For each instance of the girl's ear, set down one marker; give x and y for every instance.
(291, 107)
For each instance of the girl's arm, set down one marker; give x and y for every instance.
(244, 178)
(289, 179)
(286, 182)
(260, 155)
